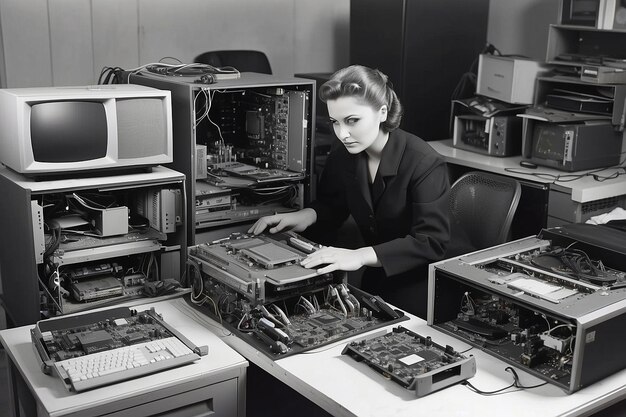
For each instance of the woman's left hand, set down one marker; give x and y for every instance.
(339, 259)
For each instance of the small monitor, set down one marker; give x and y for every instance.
(60, 130)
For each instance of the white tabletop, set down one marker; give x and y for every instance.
(344, 387)
(156, 175)
(54, 398)
(583, 189)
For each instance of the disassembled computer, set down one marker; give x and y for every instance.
(553, 305)
(245, 145)
(256, 287)
(109, 346)
(95, 249)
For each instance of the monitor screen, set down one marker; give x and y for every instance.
(68, 131)
(548, 142)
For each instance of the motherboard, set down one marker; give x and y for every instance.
(100, 331)
(413, 361)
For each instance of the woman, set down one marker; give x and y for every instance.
(393, 184)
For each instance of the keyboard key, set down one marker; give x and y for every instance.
(115, 365)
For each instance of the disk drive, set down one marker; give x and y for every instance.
(162, 208)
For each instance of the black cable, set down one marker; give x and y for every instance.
(110, 75)
(54, 243)
(595, 174)
(56, 208)
(516, 384)
(481, 392)
(192, 277)
(569, 177)
(576, 264)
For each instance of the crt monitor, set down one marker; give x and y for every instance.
(59, 130)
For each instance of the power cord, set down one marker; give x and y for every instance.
(620, 170)
(111, 75)
(516, 384)
(597, 174)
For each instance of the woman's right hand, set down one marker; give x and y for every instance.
(296, 221)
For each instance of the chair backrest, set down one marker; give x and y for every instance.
(243, 60)
(482, 206)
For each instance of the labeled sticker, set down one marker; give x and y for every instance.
(411, 359)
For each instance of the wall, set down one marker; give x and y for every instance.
(520, 27)
(68, 42)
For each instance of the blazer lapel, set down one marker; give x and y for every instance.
(389, 163)
(358, 177)
(378, 188)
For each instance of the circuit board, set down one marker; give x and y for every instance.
(104, 331)
(413, 361)
(297, 323)
(326, 325)
(518, 334)
(257, 288)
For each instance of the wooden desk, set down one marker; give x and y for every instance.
(217, 382)
(567, 200)
(343, 387)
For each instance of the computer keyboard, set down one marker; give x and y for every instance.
(116, 365)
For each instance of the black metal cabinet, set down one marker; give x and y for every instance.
(424, 47)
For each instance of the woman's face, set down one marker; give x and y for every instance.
(356, 125)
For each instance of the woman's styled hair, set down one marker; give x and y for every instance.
(368, 85)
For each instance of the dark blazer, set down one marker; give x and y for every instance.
(404, 216)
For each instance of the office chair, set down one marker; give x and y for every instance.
(482, 206)
(243, 60)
